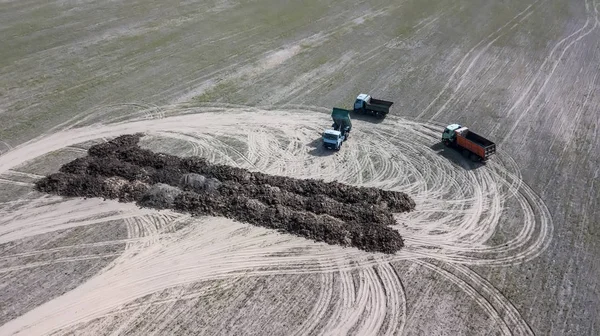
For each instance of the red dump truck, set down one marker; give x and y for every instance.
(478, 147)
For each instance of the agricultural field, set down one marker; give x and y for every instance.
(511, 247)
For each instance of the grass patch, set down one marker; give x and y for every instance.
(217, 93)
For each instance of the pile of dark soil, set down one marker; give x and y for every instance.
(331, 212)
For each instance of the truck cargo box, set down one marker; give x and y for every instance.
(382, 103)
(366, 104)
(475, 143)
(341, 117)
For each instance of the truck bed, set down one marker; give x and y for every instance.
(478, 139)
(476, 144)
(380, 102)
(341, 117)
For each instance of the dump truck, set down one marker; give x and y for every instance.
(474, 145)
(333, 138)
(368, 105)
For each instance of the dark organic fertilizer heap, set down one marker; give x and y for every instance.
(331, 212)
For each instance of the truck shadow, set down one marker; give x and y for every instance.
(365, 117)
(454, 155)
(318, 149)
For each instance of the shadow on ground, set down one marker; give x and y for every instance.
(366, 117)
(318, 149)
(454, 155)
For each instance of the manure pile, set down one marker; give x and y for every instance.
(329, 212)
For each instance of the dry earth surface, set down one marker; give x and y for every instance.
(510, 248)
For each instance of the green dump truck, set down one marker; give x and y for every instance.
(333, 138)
(366, 104)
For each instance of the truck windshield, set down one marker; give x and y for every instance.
(330, 136)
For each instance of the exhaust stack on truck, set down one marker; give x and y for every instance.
(473, 144)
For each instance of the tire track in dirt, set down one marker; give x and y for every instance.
(372, 300)
(167, 306)
(115, 242)
(458, 210)
(539, 81)
(22, 184)
(320, 308)
(5, 147)
(470, 224)
(257, 65)
(396, 302)
(507, 310)
(57, 261)
(372, 320)
(472, 293)
(494, 37)
(474, 60)
(33, 219)
(344, 303)
(23, 174)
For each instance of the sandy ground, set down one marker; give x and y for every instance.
(507, 248)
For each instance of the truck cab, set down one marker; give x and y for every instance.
(449, 134)
(361, 101)
(333, 139)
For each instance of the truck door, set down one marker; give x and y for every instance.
(446, 135)
(358, 104)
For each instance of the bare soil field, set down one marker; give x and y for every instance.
(507, 248)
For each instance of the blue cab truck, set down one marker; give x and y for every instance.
(365, 104)
(333, 138)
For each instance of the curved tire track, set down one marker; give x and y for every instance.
(459, 210)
